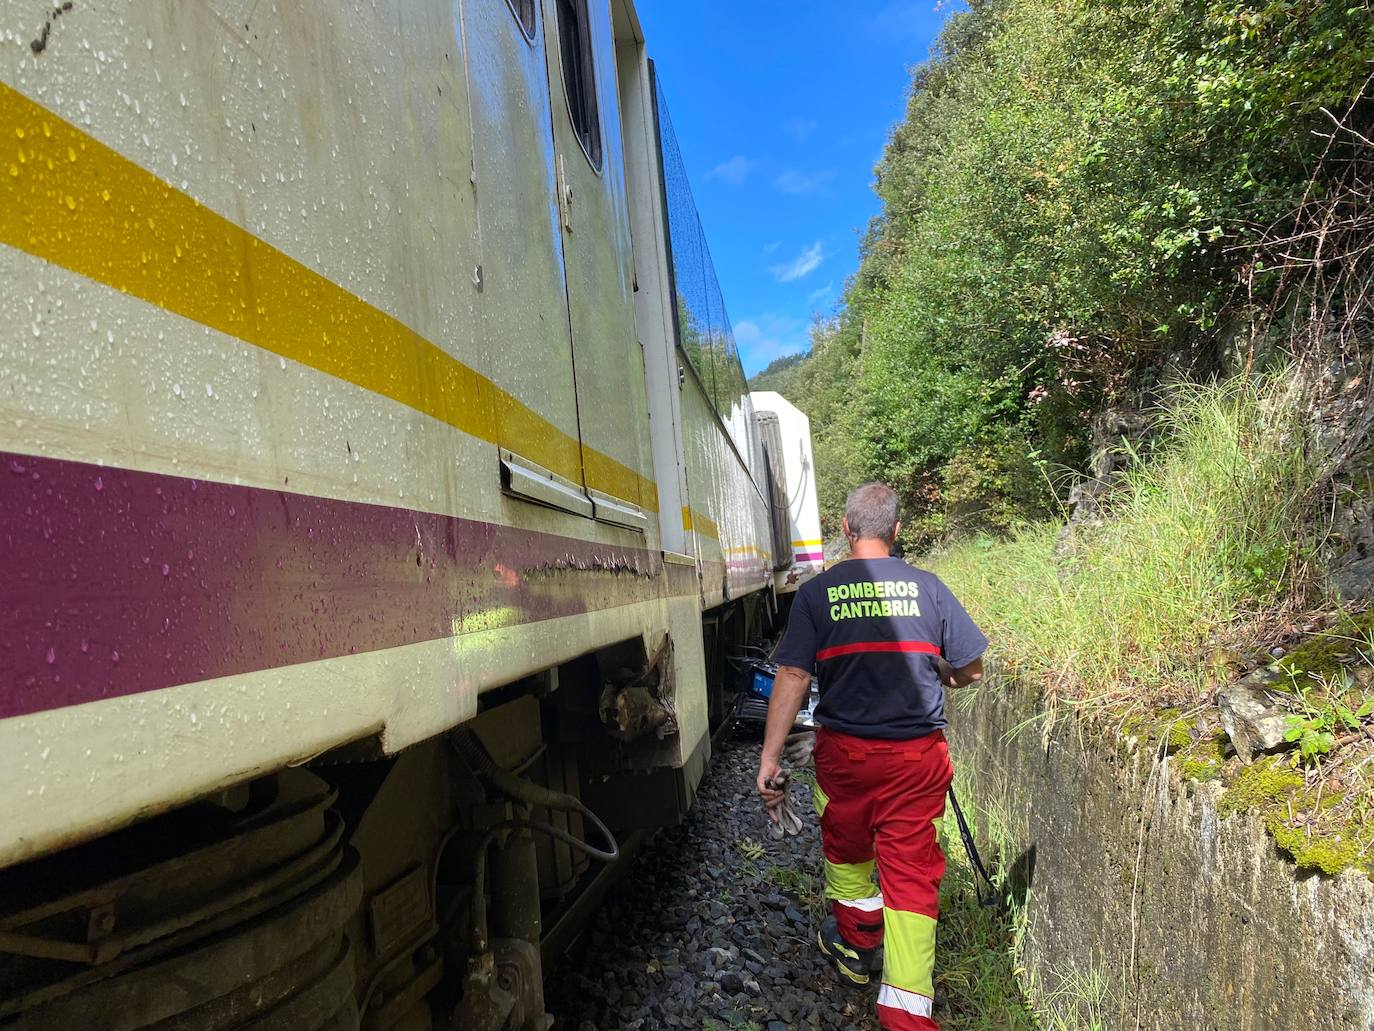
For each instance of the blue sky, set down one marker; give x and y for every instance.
(781, 111)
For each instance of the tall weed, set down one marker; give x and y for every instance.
(1198, 549)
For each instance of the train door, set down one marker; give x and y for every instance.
(655, 303)
(529, 344)
(598, 263)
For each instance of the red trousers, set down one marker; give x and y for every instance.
(883, 801)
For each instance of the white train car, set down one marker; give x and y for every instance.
(380, 498)
(785, 432)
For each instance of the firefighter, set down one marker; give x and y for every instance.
(885, 639)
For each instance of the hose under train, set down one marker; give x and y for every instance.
(534, 796)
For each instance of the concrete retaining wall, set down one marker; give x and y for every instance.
(1196, 922)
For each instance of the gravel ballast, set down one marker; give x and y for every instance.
(715, 926)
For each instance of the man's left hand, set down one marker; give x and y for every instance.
(770, 772)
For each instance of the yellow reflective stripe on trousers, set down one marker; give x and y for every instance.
(909, 951)
(821, 800)
(848, 882)
(71, 200)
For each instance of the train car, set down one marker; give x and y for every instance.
(790, 476)
(381, 503)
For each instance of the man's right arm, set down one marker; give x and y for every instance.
(960, 639)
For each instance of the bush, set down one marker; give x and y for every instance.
(995, 484)
(1197, 552)
(1085, 201)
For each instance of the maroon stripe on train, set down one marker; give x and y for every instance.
(116, 582)
(857, 647)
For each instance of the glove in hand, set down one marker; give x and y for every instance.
(788, 822)
(798, 748)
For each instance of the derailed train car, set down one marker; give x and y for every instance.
(381, 502)
(790, 475)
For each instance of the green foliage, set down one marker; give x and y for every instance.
(778, 375)
(1078, 198)
(992, 482)
(1326, 713)
(750, 849)
(1311, 734)
(1330, 854)
(1125, 611)
(801, 885)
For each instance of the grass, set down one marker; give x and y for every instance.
(1199, 553)
(805, 888)
(1197, 567)
(977, 959)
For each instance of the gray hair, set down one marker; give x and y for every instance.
(872, 512)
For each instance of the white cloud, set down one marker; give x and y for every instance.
(769, 248)
(764, 337)
(801, 266)
(800, 129)
(747, 332)
(802, 184)
(818, 297)
(733, 171)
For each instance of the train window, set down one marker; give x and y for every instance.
(579, 76)
(525, 12)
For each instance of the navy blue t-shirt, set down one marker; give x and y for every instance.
(873, 629)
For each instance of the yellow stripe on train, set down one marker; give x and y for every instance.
(67, 198)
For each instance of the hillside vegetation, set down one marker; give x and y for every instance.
(1085, 203)
(1110, 340)
(780, 374)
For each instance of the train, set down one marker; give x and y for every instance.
(383, 507)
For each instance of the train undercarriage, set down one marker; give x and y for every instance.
(431, 889)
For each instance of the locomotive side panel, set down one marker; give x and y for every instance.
(252, 472)
(303, 309)
(726, 514)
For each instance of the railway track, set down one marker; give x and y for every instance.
(713, 928)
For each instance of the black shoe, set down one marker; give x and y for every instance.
(854, 965)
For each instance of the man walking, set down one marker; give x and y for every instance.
(886, 639)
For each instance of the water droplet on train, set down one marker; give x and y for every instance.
(52, 655)
(166, 569)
